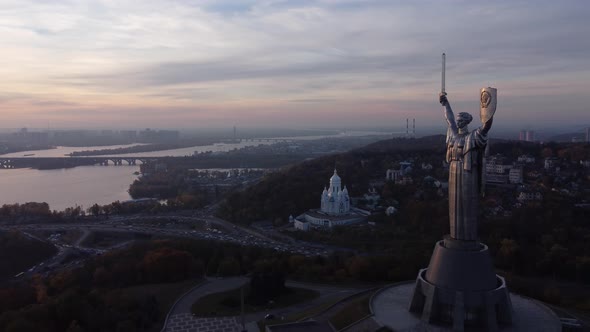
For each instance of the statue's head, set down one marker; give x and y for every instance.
(463, 119)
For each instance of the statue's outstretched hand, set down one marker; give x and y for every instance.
(443, 99)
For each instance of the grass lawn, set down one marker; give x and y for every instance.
(102, 240)
(228, 303)
(352, 312)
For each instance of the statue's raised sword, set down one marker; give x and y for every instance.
(442, 81)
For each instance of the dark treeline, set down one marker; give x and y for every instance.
(298, 188)
(180, 202)
(162, 185)
(12, 148)
(32, 212)
(19, 252)
(94, 297)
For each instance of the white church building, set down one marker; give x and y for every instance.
(335, 209)
(335, 200)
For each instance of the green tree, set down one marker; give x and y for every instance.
(508, 252)
(94, 210)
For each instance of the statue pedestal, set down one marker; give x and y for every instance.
(460, 287)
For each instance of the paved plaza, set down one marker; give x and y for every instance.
(391, 309)
(187, 323)
(182, 320)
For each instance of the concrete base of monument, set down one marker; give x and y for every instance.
(482, 308)
(390, 308)
(461, 287)
(460, 291)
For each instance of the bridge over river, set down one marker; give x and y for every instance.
(66, 162)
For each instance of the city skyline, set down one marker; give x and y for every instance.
(173, 64)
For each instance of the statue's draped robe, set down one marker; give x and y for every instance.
(465, 157)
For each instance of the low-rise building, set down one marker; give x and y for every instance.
(405, 168)
(551, 163)
(393, 175)
(496, 178)
(497, 164)
(301, 225)
(515, 175)
(529, 196)
(426, 166)
(372, 198)
(390, 210)
(405, 180)
(526, 159)
(429, 181)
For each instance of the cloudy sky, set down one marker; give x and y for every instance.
(303, 63)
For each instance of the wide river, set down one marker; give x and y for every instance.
(84, 186)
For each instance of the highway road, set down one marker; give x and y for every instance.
(198, 226)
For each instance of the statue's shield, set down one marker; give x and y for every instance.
(488, 102)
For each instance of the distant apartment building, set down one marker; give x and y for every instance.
(526, 136)
(168, 135)
(158, 136)
(36, 138)
(128, 134)
(70, 134)
(530, 136)
(24, 136)
(147, 135)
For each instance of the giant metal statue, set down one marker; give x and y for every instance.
(465, 152)
(460, 286)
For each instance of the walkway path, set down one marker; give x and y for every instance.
(83, 236)
(180, 318)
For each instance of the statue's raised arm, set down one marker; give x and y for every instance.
(449, 116)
